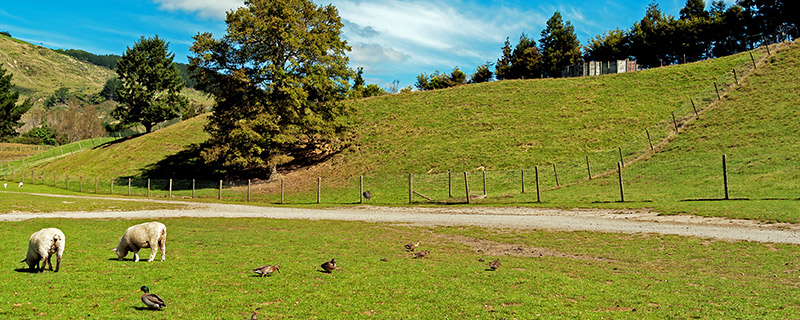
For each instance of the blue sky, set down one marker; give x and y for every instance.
(392, 40)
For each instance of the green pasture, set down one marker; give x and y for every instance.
(545, 275)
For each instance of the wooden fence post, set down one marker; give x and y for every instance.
(112, 186)
(648, 139)
(484, 181)
(281, 191)
(219, 196)
(449, 184)
(148, 188)
(674, 122)
(693, 107)
(170, 189)
(725, 175)
(621, 190)
(588, 168)
(556, 174)
(753, 60)
(95, 185)
(361, 189)
(735, 78)
(67, 183)
(193, 188)
(248, 190)
(466, 185)
(319, 189)
(410, 188)
(538, 195)
(129, 187)
(717, 89)
(620, 156)
(54, 178)
(522, 177)
(81, 184)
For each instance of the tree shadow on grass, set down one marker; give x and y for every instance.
(186, 164)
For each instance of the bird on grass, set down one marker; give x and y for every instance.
(367, 195)
(411, 246)
(421, 254)
(151, 300)
(267, 270)
(494, 264)
(328, 266)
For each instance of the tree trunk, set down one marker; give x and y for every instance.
(148, 127)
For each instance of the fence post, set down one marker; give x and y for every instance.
(281, 191)
(81, 184)
(522, 177)
(693, 107)
(449, 184)
(219, 197)
(192, 188)
(484, 181)
(588, 168)
(717, 89)
(33, 175)
(95, 185)
(648, 139)
(54, 177)
(248, 190)
(538, 195)
(129, 187)
(410, 188)
(67, 184)
(556, 174)
(148, 188)
(361, 189)
(725, 175)
(170, 189)
(112, 186)
(319, 189)
(753, 60)
(621, 191)
(620, 156)
(735, 78)
(466, 185)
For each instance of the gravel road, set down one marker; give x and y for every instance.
(599, 220)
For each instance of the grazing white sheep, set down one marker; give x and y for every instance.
(41, 247)
(20, 184)
(151, 235)
(5, 185)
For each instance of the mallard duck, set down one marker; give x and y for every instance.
(267, 269)
(494, 264)
(151, 300)
(421, 254)
(411, 246)
(328, 266)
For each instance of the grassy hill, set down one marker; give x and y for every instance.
(38, 71)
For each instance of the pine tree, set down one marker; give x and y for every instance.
(10, 111)
(560, 46)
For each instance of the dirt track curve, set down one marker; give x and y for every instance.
(599, 220)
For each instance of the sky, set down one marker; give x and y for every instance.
(393, 40)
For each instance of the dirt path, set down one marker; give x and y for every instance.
(599, 220)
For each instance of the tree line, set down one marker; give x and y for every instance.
(657, 39)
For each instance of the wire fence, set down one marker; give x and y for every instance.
(496, 186)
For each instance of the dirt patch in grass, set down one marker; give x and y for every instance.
(494, 248)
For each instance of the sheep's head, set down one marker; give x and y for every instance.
(121, 250)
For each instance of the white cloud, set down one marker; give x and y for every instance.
(375, 53)
(203, 8)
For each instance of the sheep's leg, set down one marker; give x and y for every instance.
(43, 265)
(136, 256)
(58, 262)
(49, 262)
(162, 246)
(153, 251)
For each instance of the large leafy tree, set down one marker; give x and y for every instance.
(278, 75)
(611, 45)
(649, 44)
(150, 85)
(10, 111)
(560, 46)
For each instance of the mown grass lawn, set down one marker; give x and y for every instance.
(546, 274)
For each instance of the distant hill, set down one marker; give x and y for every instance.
(39, 71)
(110, 61)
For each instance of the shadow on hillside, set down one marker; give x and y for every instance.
(186, 164)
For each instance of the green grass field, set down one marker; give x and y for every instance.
(578, 274)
